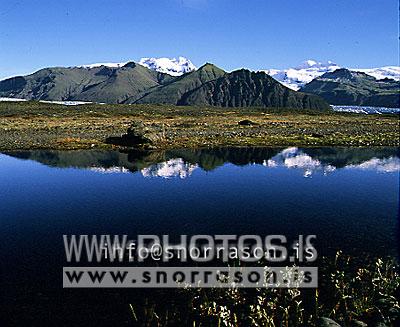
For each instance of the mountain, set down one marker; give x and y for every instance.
(345, 87)
(174, 67)
(97, 84)
(297, 77)
(243, 88)
(133, 83)
(172, 93)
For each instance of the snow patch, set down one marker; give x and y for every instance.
(64, 103)
(11, 100)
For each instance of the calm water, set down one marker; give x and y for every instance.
(348, 197)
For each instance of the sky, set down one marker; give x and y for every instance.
(255, 34)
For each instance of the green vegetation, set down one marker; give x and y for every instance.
(172, 93)
(351, 292)
(101, 84)
(243, 88)
(33, 125)
(133, 83)
(344, 87)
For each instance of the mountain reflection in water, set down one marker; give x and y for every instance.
(182, 163)
(350, 195)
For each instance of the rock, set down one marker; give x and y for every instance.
(358, 323)
(327, 322)
(316, 135)
(246, 122)
(139, 134)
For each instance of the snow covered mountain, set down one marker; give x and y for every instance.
(171, 66)
(392, 72)
(295, 78)
(174, 67)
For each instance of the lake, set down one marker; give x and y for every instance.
(347, 197)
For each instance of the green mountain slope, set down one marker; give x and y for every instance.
(100, 84)
(133, 83)
(243, 88)
(172, 93)
(345, 87)
(129, 81)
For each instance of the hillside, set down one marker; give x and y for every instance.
(243, 88)
(97, 84)
(345, 87)
(135, 84)
(173, 92)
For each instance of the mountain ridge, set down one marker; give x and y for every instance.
(251, 89)
(345, 87)
(297, 77)
(133, 83)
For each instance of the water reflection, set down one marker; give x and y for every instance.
(386, 165)
(171, 168)
(182, 163)
(296, 158)
(224, 191)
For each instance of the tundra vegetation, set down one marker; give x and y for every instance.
(35, 125)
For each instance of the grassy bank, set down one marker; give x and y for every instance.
(33, 125)
(352, 292)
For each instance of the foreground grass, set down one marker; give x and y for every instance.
(350, 293)
(33, 125)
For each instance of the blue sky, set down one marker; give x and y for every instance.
(255, 34)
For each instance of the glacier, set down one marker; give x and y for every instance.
(174, 67)
(295, 78)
